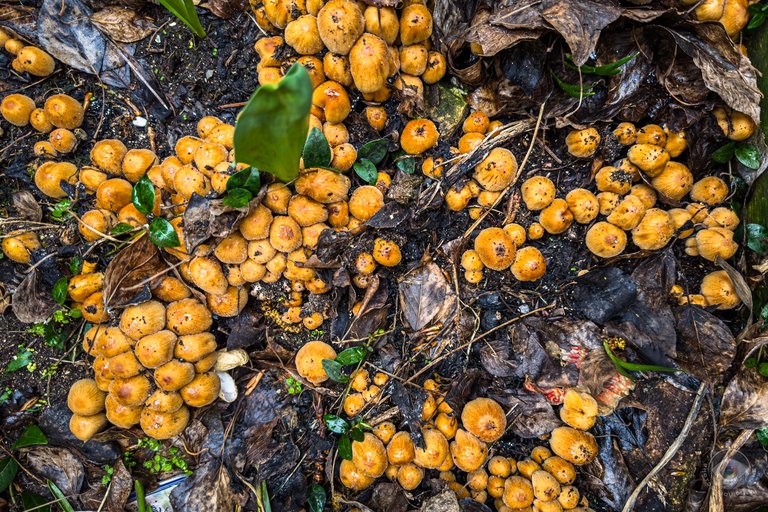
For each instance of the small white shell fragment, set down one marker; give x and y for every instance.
(228, 391)
(229, 359)
(140, 122)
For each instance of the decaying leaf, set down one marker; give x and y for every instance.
(210, 488)
(206, 217)
(122, 24)
(26, 206)
(32, 302)
(426, 296)
(373, 310)
(58, 465)
(119, 488)
(129, 275)
(705, 345)
(226, 8)
(745, 401)
(529, 414)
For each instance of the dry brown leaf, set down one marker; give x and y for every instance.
(127, 276)
(123, 24)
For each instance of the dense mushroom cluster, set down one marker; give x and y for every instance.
(27, 58)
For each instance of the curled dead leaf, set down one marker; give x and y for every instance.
(122, 24)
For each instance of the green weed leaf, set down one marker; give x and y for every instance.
(249, 179)
(162, 234)
(8, 470)
(317, 151)
(143, 195)
(61, 500)
(748, 155)
(333, 369)
(237, 198)
(316, 498)
(723, 154)
(757, 238)
(345, 447)
(32, 501)
(357, 434)
(366, 170)
(185, 11)
(375, 151)
(272, 128)
(121, 228)
(31, 436)
(335, 424)
(21, 360)
(59, 291)
(406, 164)
(635, 367)
(352, 355)
(575, 91)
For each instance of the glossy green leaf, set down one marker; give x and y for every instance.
(635, 367)
(21, 360)
(609, 69)
(375, 151)
(32, 436)
(185, 11)
(406, 165)
(762, 437)
(237, 198)
(271, 129)
(335, 424)
(264, 496)
(724, 153)
(757, 20)
(316, 498)
(748, 155)
(352, 355)
(366, 170)
(141, 500)
(249, 179)
(334, 371)
(121, 228)
(757, 238)
(575, 91)
(317, 151)
(143, 195)
(8, 470)
(162, 234)
(357, 434)
(61, 500)
(345, 447)
(59, 291)
(34, 502)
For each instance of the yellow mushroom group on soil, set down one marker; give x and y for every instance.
(459, 449)
(149, 368)
(27, 58)
(350, 46)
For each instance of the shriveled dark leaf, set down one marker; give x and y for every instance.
(580, 23)
(32, 302)
(246, 329)
(210, 488)
(409, 401)
(745, 401)
(602, 294)
(227, 8)
(389, 496)
(58, 465)
(373, 312)
(530, 414)
(206, 217)
(740, 284)
(463, 387)
(26, 206)
(131, 271)
(426, 296)
(705, 346)
(122, 24)
(389, 216)
(119, 488)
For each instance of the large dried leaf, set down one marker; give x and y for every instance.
(122, 24)
(207, 217)
(426, 296)
(129, 274)
(745, 401)
(58, 465)
(530, 414)
(210, 488)
(373, 310)
(119, 488)
(580, 23)
(705, 345)
(26, 206)
(32, 301)
(226, 8)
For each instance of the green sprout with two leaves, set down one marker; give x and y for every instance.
(184, 10)
(160, 230)
(579, 90)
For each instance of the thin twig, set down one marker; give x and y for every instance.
(672, 450)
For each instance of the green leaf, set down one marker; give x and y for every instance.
(316, 498)
(237, 198)
(345, 447)
(356, 434)
(333, 369)
(335, 424)
(121, 228)
(757, 238)
(21, 360)
(31, 436)
(604, 70)
(352, 355)
(748, 155)
(162, 234)
(762, 436)
(249, 179)
(756, 20)
(59, 291)
(375, 151)
(317, 151)
(141, 500)
(8, 470)
(271, 129)
(185, 11)
(723, 154)
(264, 495)
(575, 91)
(635, 367)
(366, 170)
(61, 500)
(34, 502)
(143, 195)
(75, 264)
(406, 165)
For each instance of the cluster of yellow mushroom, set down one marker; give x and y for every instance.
(500, 249)
(149, 368)
(733, 15)
(28, 58)
(717, 289)
(364, 389)
(462, 444)
(19, 244)
(628, 193)
(347, 45)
